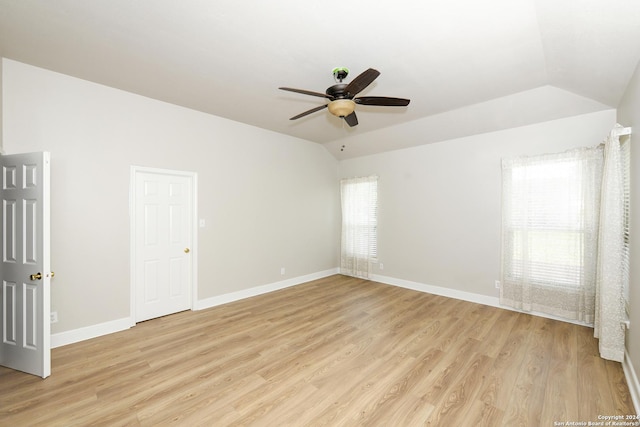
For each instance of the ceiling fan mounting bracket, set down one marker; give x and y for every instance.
(340, 73)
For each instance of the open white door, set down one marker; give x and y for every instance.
(25, 297)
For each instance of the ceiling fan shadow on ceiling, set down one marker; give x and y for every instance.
(342, 96)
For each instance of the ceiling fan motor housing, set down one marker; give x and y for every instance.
(338, 91)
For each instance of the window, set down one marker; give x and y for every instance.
(565, 236)
(547, 228)
(359, 224)
(550, 232)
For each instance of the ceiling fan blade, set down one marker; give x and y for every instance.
(307, 92)
(306, 113)
(382, 100)
(351, 119)
(362, 81)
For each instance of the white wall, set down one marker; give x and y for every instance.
(629, 115)
(439, 204)
(269, 200)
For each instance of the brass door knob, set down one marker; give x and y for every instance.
(187, 250)
(37, 276)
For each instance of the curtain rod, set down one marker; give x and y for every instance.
(623, 131)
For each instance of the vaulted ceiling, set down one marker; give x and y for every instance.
(468, 66)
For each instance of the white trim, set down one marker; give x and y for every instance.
(193, 199)
(462, 295)
(263, 289)
(632, 380)
(88, 332)
(194, 240)
(437, 290)
(94, 331)
(132, 245)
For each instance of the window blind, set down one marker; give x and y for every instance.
(550, 232)
(547, 226)
(625, 161)
(360, 216)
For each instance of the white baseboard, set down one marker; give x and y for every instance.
(88, 332)
(462, 295)
(81, 334)
(632, 380)
(76, 335)
(259, 290)
(438, 290)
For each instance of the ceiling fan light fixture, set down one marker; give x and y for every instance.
(342, 107)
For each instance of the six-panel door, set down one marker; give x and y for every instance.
(25, 296)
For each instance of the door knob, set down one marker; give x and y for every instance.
(187, 250)
(37, 276)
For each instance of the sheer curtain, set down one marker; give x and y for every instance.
(359, 225)
(610, 301)
(565, 238)
(551, 209)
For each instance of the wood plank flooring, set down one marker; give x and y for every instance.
(333, 352)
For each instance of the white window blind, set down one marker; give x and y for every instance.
(359, 224)
(625, 161)
(550, 232)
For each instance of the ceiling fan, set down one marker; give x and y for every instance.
(341, 96)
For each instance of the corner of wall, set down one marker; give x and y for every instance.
(1, 106)
(632, 381)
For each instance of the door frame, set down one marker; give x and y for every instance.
(193, 196)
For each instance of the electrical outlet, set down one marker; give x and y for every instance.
(282, 271)
(381, 266)
(54, 316)
(497, 284)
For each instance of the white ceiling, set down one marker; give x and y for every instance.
(468, 66)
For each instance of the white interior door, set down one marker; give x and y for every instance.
(25, 296)
(163, 242)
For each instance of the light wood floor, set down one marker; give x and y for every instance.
(336, 351)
